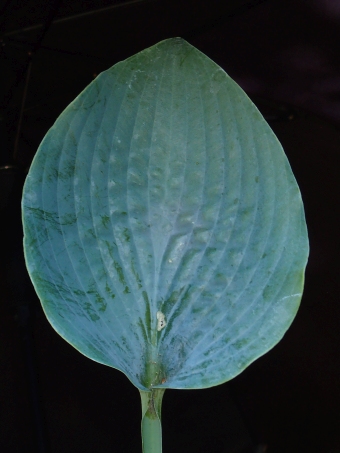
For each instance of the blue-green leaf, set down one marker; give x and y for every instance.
(164, 230)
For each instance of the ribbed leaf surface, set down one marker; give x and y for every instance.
(163, 223)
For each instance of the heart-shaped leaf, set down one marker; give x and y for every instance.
(164, 229)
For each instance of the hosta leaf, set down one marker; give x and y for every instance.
(164, 230)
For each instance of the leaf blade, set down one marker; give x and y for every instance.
(161, 189)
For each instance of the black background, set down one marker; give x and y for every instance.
(285, 55)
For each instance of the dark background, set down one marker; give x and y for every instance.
(286, 56)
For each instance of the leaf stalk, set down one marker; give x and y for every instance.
(151, 420)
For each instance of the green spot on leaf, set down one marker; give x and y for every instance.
(105, 221)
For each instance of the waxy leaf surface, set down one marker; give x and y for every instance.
(164, 230)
